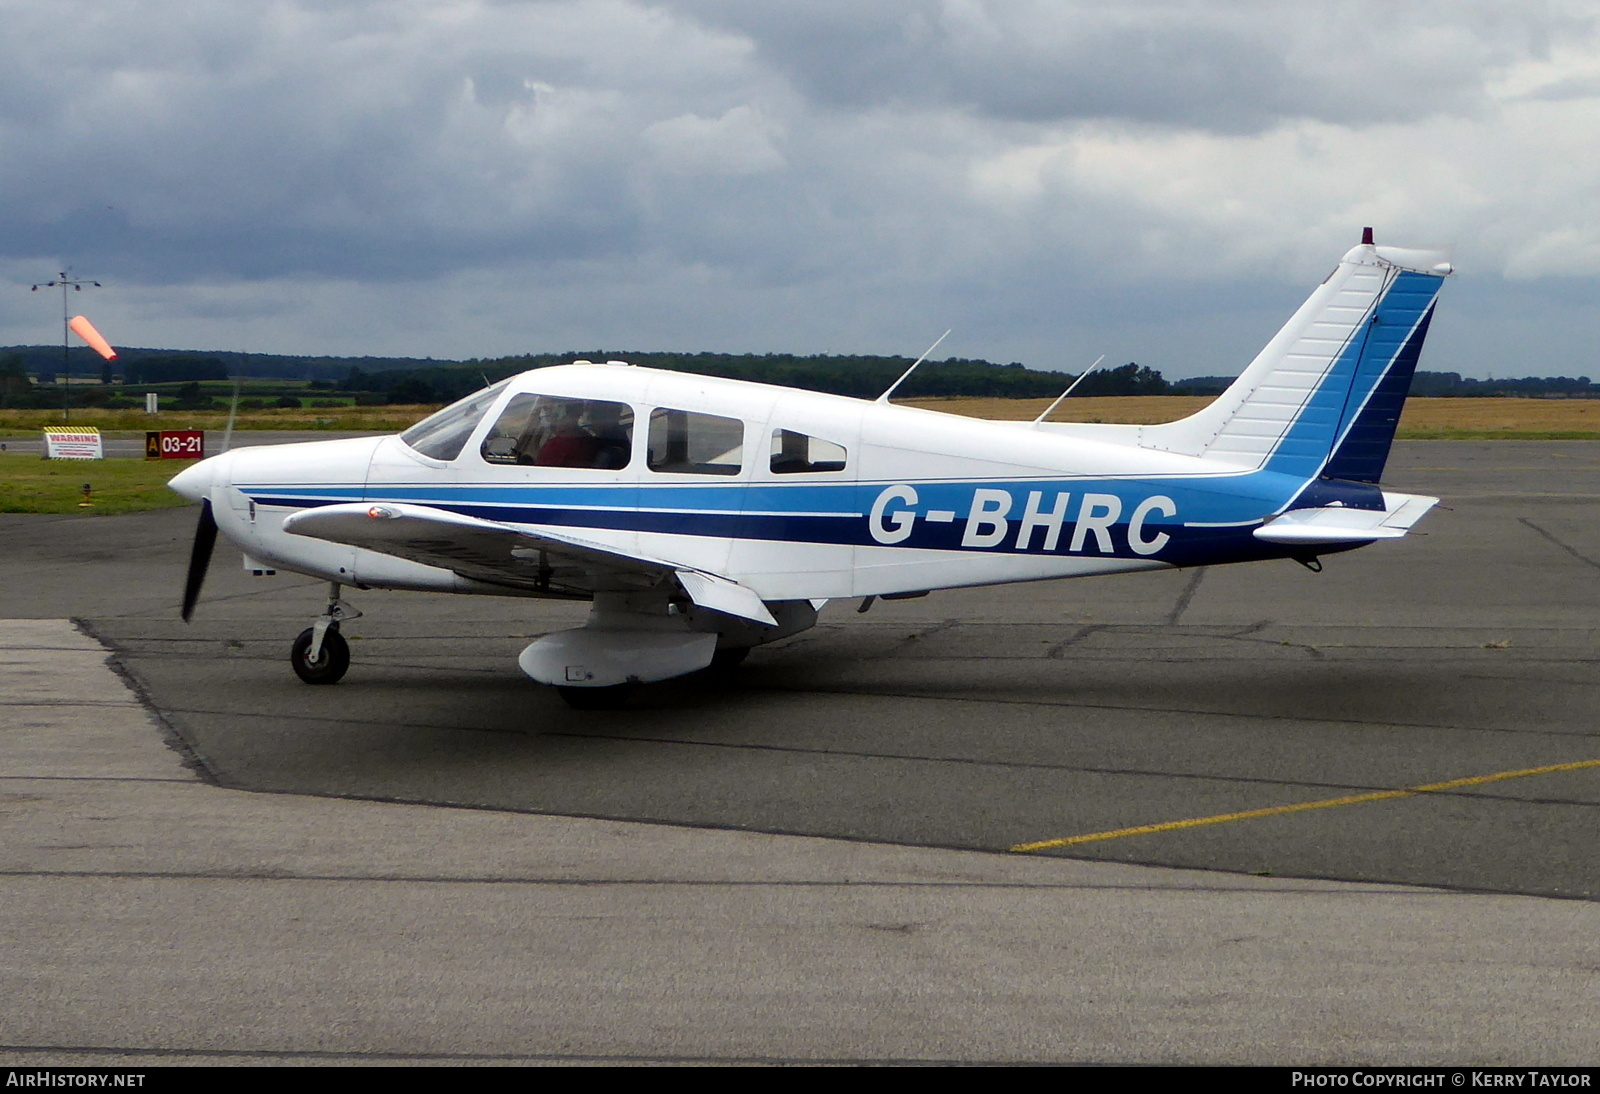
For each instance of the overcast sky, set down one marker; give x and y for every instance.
(1160, 182)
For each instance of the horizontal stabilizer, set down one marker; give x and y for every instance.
(1335, 525)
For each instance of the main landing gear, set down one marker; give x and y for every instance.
(321, 655)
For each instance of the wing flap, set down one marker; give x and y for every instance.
(721, 595)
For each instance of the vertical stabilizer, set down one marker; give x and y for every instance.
(1325, 394)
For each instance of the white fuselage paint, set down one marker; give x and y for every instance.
(898, 458)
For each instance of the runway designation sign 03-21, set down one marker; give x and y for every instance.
(62, 443)
(175, 444)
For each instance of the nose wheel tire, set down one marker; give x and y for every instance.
(331, 663)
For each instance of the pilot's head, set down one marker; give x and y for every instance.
(601, 416)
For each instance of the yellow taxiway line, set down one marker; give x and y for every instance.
(1301, 807)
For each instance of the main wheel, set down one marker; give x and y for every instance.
(729, 658)
(331, 664)
(611, 698)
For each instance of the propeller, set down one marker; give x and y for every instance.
(205, 537)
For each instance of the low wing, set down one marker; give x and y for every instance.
(499, 554)
(1336, 525)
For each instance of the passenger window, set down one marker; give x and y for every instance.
(443, 435)
(544, 431)
(795, 453)
(687, 443)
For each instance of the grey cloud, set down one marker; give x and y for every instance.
(341, 140)
(1237, 67)
(719, 174)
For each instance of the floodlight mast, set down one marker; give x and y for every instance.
(68, 284)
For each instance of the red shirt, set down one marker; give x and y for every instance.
(568, 450)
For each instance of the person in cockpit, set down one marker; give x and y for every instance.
(613, 441)
(570, 445)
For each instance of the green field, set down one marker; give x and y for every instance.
(31, 485)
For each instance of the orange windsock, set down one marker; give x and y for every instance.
(85, 330)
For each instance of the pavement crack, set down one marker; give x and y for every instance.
(1186, 596)
(1056, 651)
(917, 636)
(1583, 558)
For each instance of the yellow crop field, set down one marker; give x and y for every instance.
(1424, 419)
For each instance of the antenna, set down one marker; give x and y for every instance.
(1047, 410)
(884, 398)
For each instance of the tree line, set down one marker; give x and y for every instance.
(859, 376)
(411, 380)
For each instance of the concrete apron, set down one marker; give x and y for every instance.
(148, 917)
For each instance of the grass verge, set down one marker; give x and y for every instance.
(31, 485)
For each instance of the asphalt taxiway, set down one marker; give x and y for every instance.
(1420, 714)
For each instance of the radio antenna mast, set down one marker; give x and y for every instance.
(1049, 409)
(884, 398)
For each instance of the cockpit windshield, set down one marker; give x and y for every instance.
(443, 435)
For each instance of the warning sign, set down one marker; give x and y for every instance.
(81, 443)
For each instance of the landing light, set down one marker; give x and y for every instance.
(383, 512)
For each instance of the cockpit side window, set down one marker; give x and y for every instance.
(796, 453)
(548, 431)
(442, 436)
(685, 442)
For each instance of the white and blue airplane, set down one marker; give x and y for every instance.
(702, 517)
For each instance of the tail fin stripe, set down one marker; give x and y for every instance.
(1363, 449)
(1373, 351)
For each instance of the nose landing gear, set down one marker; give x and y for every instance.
(320, 655)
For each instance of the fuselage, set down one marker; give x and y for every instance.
(907, 500)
